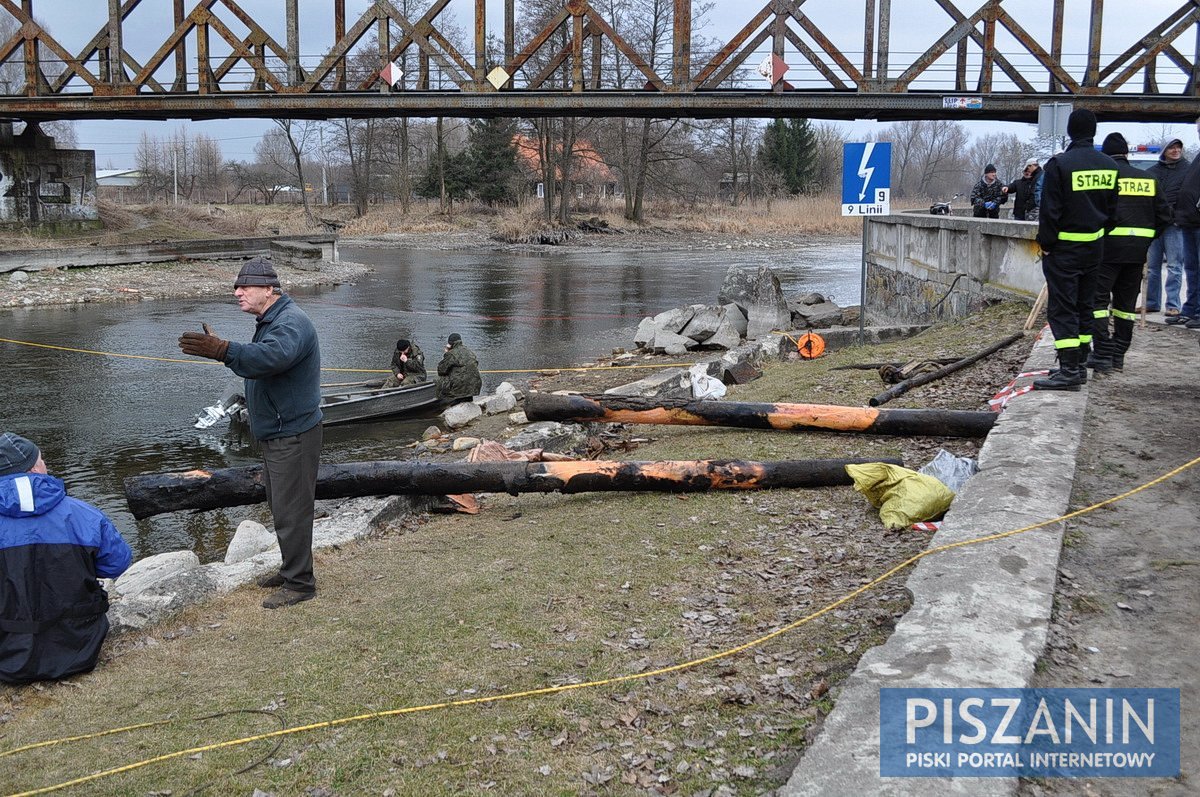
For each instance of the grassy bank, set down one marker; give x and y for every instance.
(535, 591)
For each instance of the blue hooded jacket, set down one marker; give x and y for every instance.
(282, 369)
(52, 608)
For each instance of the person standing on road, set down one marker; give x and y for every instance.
(458, 372)
(1079, 204)
(1026, 192)
(1187, 216)
(282, 369)
(988, 195)
(53, 611)
(1142, 215)
(1169, 171)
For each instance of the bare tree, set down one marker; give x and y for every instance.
(300, 137)
(927, 159)
(1007, 152)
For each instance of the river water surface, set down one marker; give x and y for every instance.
(99, 419)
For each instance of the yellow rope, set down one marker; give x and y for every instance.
(334, 370)
(550, 690)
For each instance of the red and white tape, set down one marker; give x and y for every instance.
(925, 526)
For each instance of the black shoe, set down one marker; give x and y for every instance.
(1194, 323)
(287, 597)
(1069, 376)
(271, 581)
(1100, 359)
(1177, 319)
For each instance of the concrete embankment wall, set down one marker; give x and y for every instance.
(923, 268)
(288, 247)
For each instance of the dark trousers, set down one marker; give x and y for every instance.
(290, 477)
(1071, 271)
(1117, 287)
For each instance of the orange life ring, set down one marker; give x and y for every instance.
(810, 345)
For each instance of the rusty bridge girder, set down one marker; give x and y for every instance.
(977, 60)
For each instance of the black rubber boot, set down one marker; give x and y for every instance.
(1122, 338)
(1101, 358)
(1068, 376)
(1084, 351)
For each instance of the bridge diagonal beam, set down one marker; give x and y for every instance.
(823, 41)
(1152, 51)
(703, 77)
(185, 26)
(424, 24)
(625, 49)
(733, 63)
(959, 32)
(459, 73)
(814, 59)
(243, 52)
(94, 46)
(1043, 58)
(261, 36)
(535, 44)
(1141, 44)
(1001, 61)
(340, 48)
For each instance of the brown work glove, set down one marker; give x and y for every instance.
(204, 345)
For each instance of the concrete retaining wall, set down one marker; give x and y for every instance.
(222, 249)
(923, 268)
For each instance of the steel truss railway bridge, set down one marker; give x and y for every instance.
(831, 59)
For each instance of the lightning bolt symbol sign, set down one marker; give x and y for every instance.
(865, 171)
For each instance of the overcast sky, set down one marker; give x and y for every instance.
(915, 25)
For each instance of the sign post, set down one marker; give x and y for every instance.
(866, 191)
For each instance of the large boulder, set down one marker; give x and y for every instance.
(735, 316)
(549, 436)
(816, 316)
(673, 320)
(501, 402)
(757, 293)
(645, 333)
(726, 337)
(671, 383)
(666, 342)
(149, 571)
(705, 322)
(250, 539)
(461, 414)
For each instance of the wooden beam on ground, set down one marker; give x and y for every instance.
(158, 493)
(900, 388)
(747, 415)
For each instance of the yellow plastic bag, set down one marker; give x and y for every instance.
(902, 496)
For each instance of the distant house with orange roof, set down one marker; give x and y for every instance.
(590, 174)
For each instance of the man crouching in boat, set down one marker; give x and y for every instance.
(408, 365)
(282, 369)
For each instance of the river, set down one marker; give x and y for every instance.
(99, 419)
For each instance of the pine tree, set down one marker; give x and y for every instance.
(492, 155)
(790, 150)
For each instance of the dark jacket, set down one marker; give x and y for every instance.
(413, 368)
(1142, 214)
(982, 193)
(282, 369)
(1186, 212)
(458, 373)
(1170, 178)
(1079, 196)
(1025, 193)
(52, 608)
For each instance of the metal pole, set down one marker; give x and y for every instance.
(862, 294)
(175, 171)
(324, 175)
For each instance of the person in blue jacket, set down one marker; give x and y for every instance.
(282, 369)
(53, 611)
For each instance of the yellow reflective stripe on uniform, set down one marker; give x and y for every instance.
(1085, 339)
(1094, 180)
(1136, 186)
(1136, 232)
(1081, 236)
(1067, 343)
(1099, 314)
(1125, 315)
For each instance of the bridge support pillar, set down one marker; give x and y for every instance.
(42, 187)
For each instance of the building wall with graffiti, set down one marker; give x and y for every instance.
(41, 185)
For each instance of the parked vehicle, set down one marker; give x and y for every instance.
(362, 401)
(943, 208)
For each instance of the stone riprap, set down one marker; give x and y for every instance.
(757, 294)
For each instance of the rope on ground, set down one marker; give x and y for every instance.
(551, 690)
(336, 370)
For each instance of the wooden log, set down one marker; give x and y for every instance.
(747, 415)
(155, 494)
(900, 388)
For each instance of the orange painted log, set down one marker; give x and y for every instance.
(172, 492)
(747, 415)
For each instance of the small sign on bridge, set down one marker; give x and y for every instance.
(866, 178)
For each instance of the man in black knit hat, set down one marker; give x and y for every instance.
(1142, 215)
(1079, 205)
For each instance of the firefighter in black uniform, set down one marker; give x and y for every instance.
(1079, 205)
(1142, 215)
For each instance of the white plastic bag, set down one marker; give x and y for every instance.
(950, 470)
(703, 385)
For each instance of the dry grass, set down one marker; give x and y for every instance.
(421, 218)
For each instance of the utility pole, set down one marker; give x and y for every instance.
(175, 171)
(324, 176)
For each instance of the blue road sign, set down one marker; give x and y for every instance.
(866, 178)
